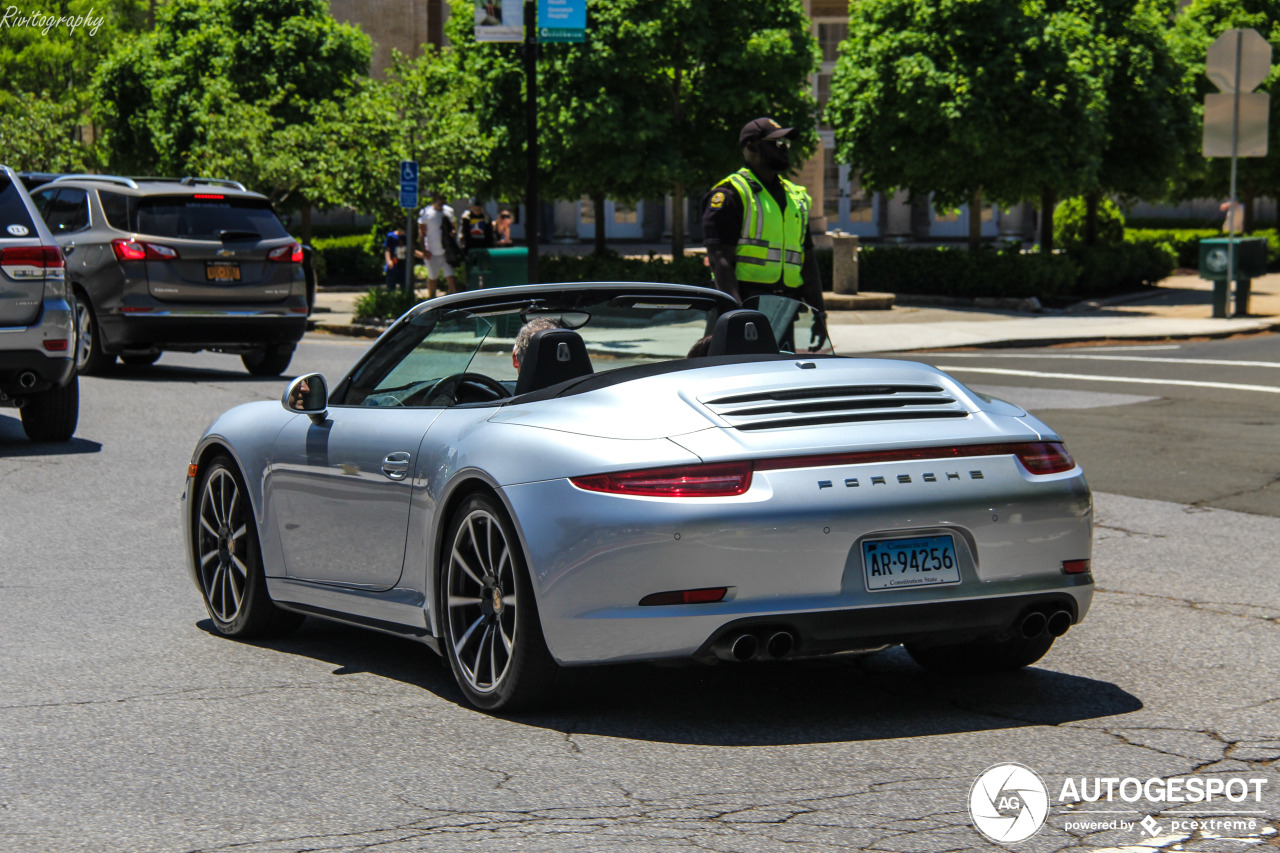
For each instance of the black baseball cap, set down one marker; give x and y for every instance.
(763, 128)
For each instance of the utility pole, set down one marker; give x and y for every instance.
(531, 203)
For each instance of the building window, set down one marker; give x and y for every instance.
(625, 214)
(830, 35)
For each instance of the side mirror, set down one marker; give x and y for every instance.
(307, 395)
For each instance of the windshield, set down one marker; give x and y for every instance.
(209, 216)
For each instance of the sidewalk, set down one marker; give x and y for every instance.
(1181, 307)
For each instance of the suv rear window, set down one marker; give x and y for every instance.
(206, 218)
(12, 210)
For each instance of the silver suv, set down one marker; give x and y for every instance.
(37, 325)
(176, 264)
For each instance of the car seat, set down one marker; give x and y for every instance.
(554, 356)
(742, 332)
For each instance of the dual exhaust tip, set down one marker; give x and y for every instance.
(1037, 623)
(765, 645)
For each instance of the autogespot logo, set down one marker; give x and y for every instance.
(1008, 803)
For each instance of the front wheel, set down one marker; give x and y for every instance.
(90, 359)
(492, 634)
(229, 560)
(989, 656)
(268, 361)
(52, 415)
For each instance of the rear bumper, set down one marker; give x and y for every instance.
(203, 330)
(22, 351)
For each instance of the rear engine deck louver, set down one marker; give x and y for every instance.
(842, 404)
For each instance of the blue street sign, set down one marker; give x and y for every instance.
(408, 183)
(562, 20)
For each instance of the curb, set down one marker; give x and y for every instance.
(1033, 343)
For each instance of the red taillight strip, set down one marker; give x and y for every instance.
(728, 479)
(717, 480)
(1051, 457)
(48, 257)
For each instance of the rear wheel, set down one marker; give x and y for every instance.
(229, 560)
(52, 415)
(492, 634)
(141, 359)
(90, 359)
(268, 361)
(990, 656)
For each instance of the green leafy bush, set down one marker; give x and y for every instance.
(378, 303)
(1108, 270)
(352, 259)
(1185, 242)
(1068, 223)
(611, 266)
(961, 273)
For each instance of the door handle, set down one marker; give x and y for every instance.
(396, 465)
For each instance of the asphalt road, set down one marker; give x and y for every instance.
(127, 725)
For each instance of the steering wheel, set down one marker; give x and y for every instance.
(445, 392)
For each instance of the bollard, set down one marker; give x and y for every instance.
(844, 263)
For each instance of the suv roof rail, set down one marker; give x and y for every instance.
(221, 182)
(115, 179)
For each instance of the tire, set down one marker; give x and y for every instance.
(52, 415)
(90, 359)
(492, 635)
(268, 361)
(142, 359)
(229, 559)
(990, 656)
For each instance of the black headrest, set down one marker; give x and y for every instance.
(742, 332)
(554, 355)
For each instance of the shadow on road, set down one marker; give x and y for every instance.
(183, 373)
(14, 442)
(830, 700)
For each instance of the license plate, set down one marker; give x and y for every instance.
(906, 563)
(222, 271)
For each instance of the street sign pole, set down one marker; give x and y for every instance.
(1235, 151)
(531, 133)
(409, 201)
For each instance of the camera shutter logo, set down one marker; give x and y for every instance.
(1008, 803)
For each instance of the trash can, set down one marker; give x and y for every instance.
(1250, 261)
(497, 268)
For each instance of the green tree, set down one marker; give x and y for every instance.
(47, 72)
(969, 100)
(167, 97)
(1148, 121)
(1196, 28)
(652, 103)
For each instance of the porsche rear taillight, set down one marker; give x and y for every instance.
(135, 250)
(291, 253)
(718, 480)
(32, 262)
(1047, 457)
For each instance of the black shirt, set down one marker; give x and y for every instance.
(477, 231)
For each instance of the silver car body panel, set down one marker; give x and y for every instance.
(343, 538)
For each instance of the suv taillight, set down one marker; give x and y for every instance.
(28, 262)
(290, 253)
(133, 250)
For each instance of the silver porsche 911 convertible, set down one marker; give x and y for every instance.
(528, 478)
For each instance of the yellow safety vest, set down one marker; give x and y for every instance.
(771, 245)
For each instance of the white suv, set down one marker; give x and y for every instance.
(37, 322)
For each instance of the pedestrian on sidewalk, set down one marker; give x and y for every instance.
(475, 228)
(435, 233)
(394, 253)
(755, 224)
(502, 228)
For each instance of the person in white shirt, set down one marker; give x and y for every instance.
(435, 229)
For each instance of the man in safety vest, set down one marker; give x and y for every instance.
(756, 226)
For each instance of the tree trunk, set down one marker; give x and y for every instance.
(1091, 204)
(1047, 201)
(597, 205)
(677, 220)
(975, 220)
(306, 223)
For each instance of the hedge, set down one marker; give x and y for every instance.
(347, 260)
(1185, 242)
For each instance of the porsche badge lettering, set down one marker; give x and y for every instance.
(903, 479)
